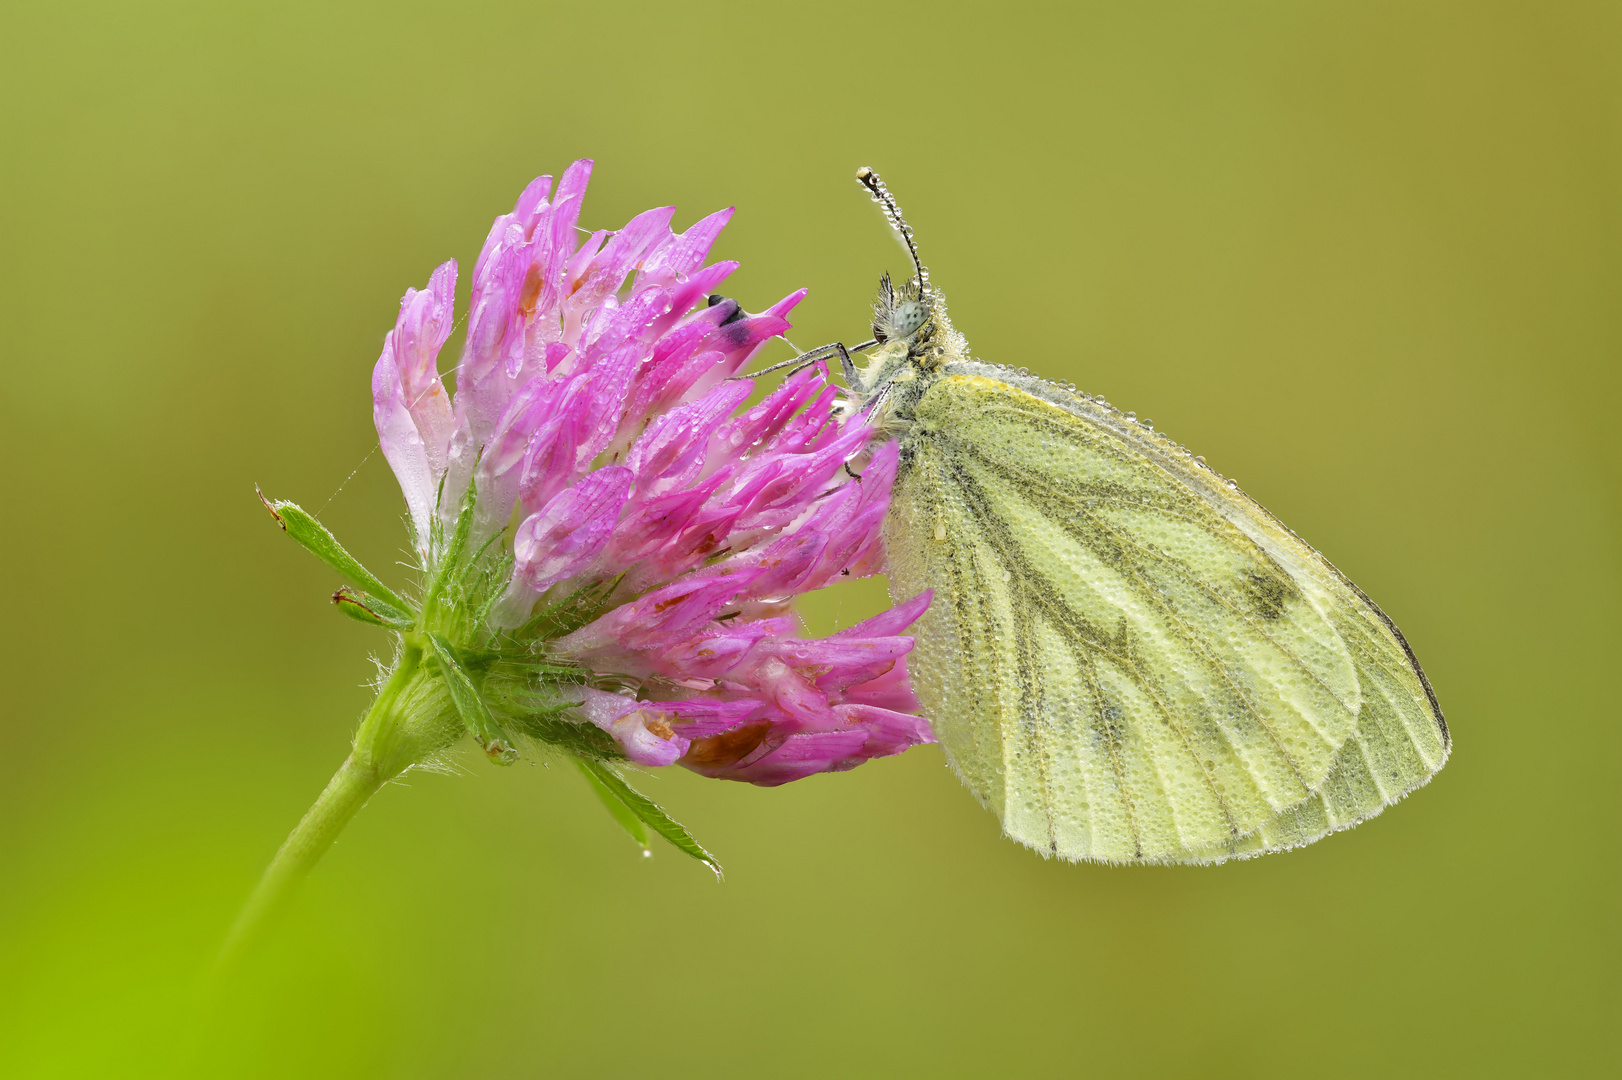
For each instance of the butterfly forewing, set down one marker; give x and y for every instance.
(1126, 659)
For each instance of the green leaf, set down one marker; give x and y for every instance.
(470, 704)
(622, 813)
(369, 609)
(649, 812)
(303, 527)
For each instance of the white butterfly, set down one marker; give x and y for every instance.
(1127, 658)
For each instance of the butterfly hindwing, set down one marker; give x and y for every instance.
(1126, 659)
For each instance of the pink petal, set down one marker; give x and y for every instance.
(501, 468)
(569, 532)
(684, 294)
(801, 755)
(794, 694)
(799, 479)
(530, 202)
(888, 732)
(403, 446)
(785, 564)
(651, 522)
(701, 718)
(682, 254)
(604, 403)
(671, 453)
(891, 622)
(608, 270)
(743, 434)
(549, 460)
(661, 617)
(647, 738)
(716, 650)
(425, 322)
(838, 664)
(892, 691)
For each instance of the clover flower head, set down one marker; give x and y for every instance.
(610, 538)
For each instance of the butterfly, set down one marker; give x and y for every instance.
(1127, 658)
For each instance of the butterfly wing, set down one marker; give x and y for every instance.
(1127, 659)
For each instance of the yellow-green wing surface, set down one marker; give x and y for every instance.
(1127, 659)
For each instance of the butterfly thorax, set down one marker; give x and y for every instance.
(916, 343)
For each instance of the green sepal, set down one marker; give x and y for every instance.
(470, 704)
(570, 613)
(494, 574)
(369, 609)
(621, 813)
(552, 672)
(447, 562)
(303, 527)
(609, 781)
(583, 740)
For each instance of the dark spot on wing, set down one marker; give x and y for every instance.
(1267, 595)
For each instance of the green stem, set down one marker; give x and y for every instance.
(345, 794)
(385, 746)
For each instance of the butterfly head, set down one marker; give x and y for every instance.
(898, 314)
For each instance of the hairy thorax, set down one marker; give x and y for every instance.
(899, 372)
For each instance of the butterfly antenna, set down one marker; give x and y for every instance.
(892, 210)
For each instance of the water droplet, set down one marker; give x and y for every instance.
(1024, 371)
(1131, 416)
(1201, 463)
(1234, 484)
(646, 854)
(1148, 423)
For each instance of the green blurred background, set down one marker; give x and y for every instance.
(1365, 257)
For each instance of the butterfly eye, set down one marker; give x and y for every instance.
(907, 318)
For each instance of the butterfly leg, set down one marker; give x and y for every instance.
(874, 406)
(819, 354)
(798, 363)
